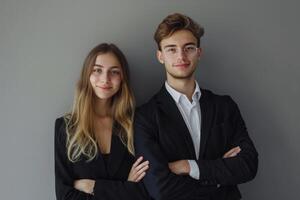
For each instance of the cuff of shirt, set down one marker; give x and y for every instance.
(194, 169)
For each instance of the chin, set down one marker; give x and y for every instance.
(182, 75)
(104, 96)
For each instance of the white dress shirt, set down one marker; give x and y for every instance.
(191, 114)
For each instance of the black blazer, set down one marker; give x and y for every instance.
(161, 136)
(111, 182)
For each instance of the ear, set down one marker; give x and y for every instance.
(160, 57)
(199, 52)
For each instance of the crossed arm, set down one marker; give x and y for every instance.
(182, 167)
(170, 180)
(68, 188)
(137, 172)
(160, 181)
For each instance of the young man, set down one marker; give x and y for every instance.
(196, 141)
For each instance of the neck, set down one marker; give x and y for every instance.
(102, 108)
(184, 86)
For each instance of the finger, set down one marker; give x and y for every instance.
(232, 153)
(228, 153)
(233, 150)
(135, 173)
(138, 173)
(137, 161)
(146, 167)
(142, 175)
(236, 150)
(137, 168)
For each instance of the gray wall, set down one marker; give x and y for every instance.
(250, 52)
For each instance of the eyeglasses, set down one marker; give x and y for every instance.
(188, 50)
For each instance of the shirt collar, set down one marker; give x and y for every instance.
(177, 95)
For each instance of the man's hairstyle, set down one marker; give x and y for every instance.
(176, 22)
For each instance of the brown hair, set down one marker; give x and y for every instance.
(80, 132)
(176, 22)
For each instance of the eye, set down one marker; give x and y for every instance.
(171, 50)
(190, 48)
(97, 70)
(115, 72)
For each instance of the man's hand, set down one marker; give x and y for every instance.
(85, 185)
(180, 167)
(232, 152)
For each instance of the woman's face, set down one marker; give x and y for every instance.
(106, 76)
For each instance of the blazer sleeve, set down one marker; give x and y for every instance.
(238, 169)
(160, 182)
(103, 189)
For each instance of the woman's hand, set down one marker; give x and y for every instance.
(85, 185)
(138, 170)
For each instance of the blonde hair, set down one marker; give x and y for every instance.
(80, 122)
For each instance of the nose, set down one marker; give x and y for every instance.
(104, 78)
(181, 55)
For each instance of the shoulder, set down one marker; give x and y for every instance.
(220, 102)
(149, 105)
(216, 98)
(60, 129)
(148, 109)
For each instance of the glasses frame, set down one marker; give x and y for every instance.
(189, 50)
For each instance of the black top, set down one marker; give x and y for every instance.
(110, 172)
(105, 159)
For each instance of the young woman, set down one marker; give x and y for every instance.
(94, 143)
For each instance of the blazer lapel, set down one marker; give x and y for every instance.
(207, 109)
(168, 105)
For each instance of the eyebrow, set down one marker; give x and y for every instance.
(190, 43)
(170, 45)
(173, 45)
(111, 67)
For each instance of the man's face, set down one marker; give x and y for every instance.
(179, 54)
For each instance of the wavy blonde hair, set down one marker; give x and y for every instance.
(79, 123)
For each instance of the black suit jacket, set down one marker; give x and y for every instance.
(111, 181)
(161, 136)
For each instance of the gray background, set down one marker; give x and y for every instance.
(250, 52)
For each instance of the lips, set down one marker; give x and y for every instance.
(104, 87)
(184, 65)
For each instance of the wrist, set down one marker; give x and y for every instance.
(187, 167)
(91, 187)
